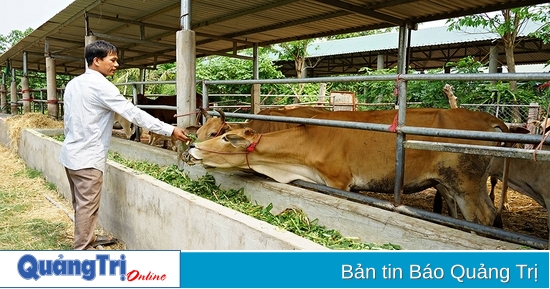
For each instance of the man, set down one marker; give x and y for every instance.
(90, 102)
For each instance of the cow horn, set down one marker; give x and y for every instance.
(205, 114)
(222, 115)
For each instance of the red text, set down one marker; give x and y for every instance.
(134, 275)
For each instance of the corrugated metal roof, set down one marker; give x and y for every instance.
(430, 48)
(144, 31)
(419, 38)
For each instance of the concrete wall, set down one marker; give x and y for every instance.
(149, 214)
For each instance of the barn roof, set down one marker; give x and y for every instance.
(430, 48)
(145, 31)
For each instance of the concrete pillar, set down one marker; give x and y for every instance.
(380, 62)
(185, 79)
(3, 99)
(493, 59)
(255, 93)
(255, 104)
(26, 94)
(322, 92)
(51, 90)
(87, 40)
(13, 93)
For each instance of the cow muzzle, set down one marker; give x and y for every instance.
(187, 157)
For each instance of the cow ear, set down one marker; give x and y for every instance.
(237, 140)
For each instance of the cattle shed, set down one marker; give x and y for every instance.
(145, 33)
(156, 32)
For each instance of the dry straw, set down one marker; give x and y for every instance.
(29, 120)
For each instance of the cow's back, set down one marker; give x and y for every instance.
(270, 126)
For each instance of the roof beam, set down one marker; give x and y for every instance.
(283, 25)
(133, 40)
(256, 9)
(362, 11)
(484, 9)
(133, 22)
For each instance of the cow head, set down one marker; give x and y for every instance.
(225, 151)
(213, 127)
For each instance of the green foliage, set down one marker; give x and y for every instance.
(292, 220)
(431, 94)
(508, 21)
(225, 68)
(7, 41)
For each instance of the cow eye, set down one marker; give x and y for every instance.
(212, 135)
(224, 139)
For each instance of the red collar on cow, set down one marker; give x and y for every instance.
(252, 146)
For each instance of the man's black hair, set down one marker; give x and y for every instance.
(99, 49)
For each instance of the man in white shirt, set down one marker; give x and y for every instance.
(90, 101)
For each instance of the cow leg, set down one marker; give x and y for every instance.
(152, 138)
(451, 204)
(503, 205)
(494, 181)
(438, 203)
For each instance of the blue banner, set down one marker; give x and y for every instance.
(365, 269)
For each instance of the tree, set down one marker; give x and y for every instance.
(543, 16)
(507, 25)
(7, 41)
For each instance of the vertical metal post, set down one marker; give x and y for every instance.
(403, 63)
(135, 100)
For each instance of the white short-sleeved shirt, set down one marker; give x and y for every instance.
(90, 101)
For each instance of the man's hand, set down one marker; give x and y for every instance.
(180, 134)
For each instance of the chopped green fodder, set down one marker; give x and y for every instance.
(292, 220)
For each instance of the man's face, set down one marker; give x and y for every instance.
(108, 65)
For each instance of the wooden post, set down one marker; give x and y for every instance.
(448, 89)
(255, 96)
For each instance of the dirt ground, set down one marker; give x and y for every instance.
(525, 215)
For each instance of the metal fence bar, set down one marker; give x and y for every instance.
(530, 241)
(392, 77)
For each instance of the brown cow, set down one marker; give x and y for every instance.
(527, 177)
(165, 115)
(365, 160)
(125, 124)
(215, 126)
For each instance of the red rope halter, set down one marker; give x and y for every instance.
(250, 148)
